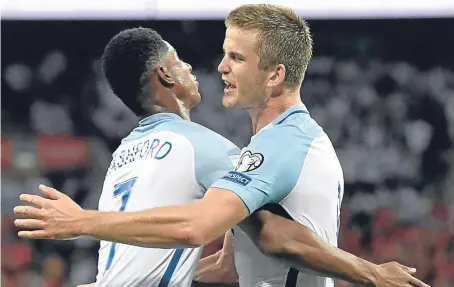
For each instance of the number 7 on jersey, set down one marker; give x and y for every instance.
(123, 189)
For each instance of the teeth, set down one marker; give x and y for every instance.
(228, 85)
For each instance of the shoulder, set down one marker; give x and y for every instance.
(203, 139)
(295, 133)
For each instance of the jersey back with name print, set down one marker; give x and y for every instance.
(165, 161)
(290, 166)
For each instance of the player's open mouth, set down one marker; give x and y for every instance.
(229, 87)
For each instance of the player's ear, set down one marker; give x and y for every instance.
(165, 77)
(277, 76)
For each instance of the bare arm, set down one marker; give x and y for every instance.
(304, 249)
(194, 224)
(197, 224)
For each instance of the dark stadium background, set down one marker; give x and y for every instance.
(382, 89)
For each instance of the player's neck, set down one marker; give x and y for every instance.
(167, 102)
(184, 113)
(264, 114)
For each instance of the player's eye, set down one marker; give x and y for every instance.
(235, 57)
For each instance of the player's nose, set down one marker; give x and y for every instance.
(223, 66)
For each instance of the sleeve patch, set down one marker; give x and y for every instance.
(249, 161)
(238, 178)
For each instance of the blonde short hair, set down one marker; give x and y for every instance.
(282, 37)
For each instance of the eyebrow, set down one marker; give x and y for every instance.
(232, 53)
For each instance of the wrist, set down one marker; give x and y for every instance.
(84, 223)
(370, 274)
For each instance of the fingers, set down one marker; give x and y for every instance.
(29, 223)
(33, 199)
(228, 237)
(409, 270)
(38, 200)
(227, 246)
(50, 192)
(35, 234)
(29, 211)
(416, 282)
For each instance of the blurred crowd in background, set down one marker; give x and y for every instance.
(383, 90)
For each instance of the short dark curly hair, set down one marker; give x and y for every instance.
(127, 62)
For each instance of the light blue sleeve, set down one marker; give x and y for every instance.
(269, 167)
(212, 154)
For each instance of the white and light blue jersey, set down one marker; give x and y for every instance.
(165, 161)
(290, 162)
